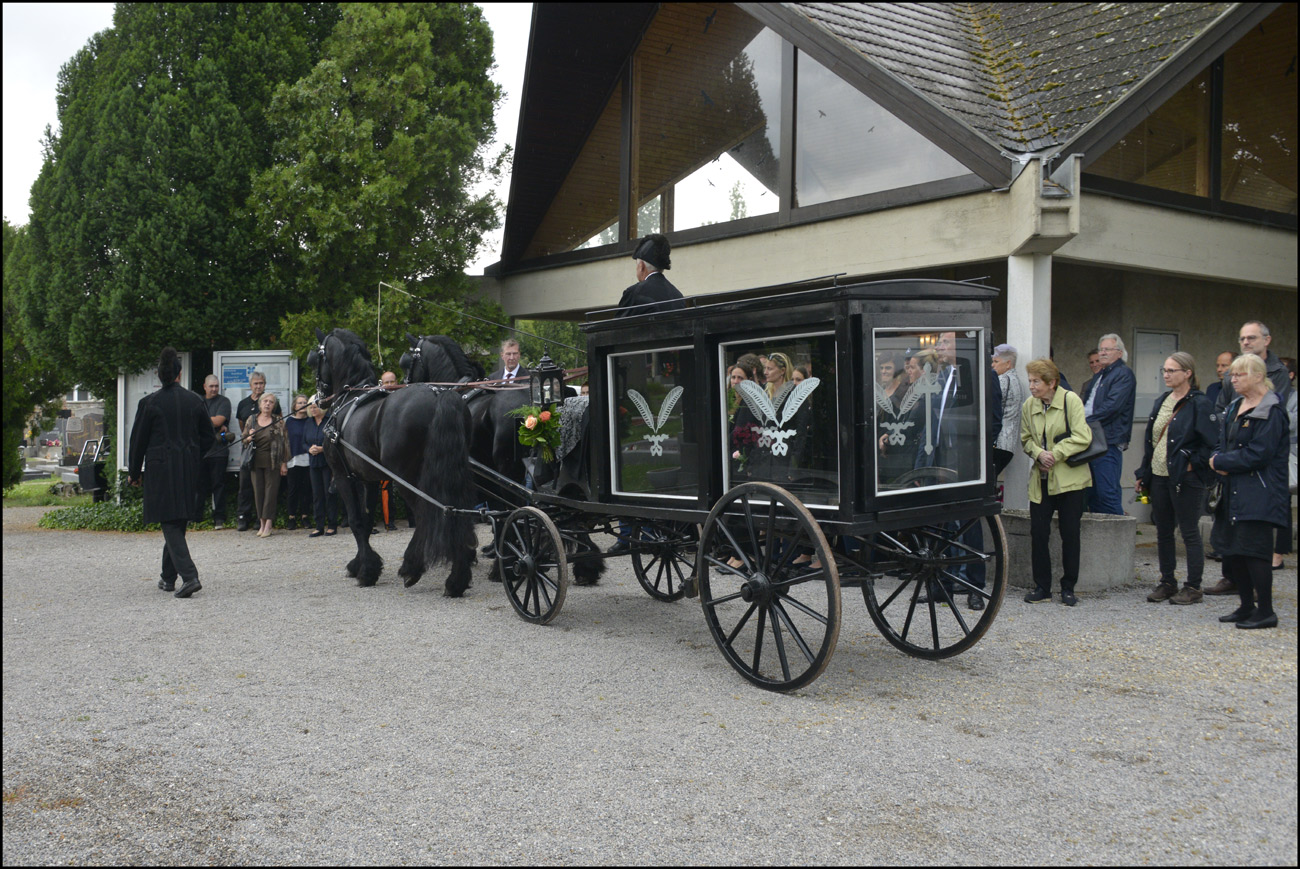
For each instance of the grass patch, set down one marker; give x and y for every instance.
(38, 493)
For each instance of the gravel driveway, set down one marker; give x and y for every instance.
(284, 715)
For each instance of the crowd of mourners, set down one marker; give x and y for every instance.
(1229, 451)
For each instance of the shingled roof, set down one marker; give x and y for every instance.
(1026, 76)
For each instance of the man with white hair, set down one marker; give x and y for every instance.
(1114, 391)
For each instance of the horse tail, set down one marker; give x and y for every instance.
(446, 476)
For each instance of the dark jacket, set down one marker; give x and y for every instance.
(521, 376)
(1275, 371)
(1112, 405)
(313, 435)
(172, 432)
(1192, 436)
(1253, 450)
(655, 288)
(293, 427)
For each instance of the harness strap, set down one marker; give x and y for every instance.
(390, 475)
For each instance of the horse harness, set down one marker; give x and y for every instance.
(334, 434)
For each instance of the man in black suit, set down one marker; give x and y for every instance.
(652, 292)
(510, 368)
(171, 434)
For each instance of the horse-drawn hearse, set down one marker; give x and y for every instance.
(762, 500)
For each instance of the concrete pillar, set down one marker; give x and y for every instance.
(1029, 330)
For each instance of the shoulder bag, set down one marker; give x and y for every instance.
(1098, 446)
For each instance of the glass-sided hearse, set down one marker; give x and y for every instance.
(864, 459)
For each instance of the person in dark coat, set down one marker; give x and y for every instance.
(1110, 402)
(1182, 433)
(1254, 440)
(171, 434)
(653, 258)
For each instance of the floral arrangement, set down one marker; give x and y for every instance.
(539, 428)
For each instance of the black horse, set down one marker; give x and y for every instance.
(420, 434)
(495, 435)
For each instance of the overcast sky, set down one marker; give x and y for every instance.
(40, 37)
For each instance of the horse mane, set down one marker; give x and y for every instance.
(353, 367)
(445, 360)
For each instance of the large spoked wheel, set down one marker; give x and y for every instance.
(663, 558)
(920, 580)
(530, 557)
(769, 587)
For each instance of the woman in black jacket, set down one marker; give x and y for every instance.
(1181, 436)
(1253, 443)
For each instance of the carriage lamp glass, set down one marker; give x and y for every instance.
(546, 382)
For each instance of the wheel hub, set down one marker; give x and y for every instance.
(757, 588)
(525, 567)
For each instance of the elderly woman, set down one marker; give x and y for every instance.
(266, 432)
(1053, 427)
(1254, 438)
(1013, 398)
(1181, 435)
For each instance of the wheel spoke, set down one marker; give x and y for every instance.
(758, 638)
(740, 552)
(731, 638)
(779, 610)
(800, 605)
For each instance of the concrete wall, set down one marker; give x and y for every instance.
(1105, 558)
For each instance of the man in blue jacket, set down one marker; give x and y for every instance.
(1110, 402)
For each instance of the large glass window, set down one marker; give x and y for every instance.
(1255, 149)
(650, 398)
(708, 96)
(1259, 115)
(928, 408)
(847, 145)
(1170, 149)
(780, 422)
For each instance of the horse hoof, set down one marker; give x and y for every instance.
(410, 581)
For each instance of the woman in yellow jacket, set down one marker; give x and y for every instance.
(1054, 487)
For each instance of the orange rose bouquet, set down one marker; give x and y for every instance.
(539, 428)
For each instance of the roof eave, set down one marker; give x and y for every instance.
(969, 146)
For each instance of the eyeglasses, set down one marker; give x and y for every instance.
(1171, 370)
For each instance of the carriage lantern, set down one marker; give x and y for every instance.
(546, 382)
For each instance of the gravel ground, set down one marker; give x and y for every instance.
(284, 715)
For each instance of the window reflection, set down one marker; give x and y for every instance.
(651, 393)
(708, 82)
(848, 145)
(1259, 115)
(927, 408)
(780, 423)
(1168, 150)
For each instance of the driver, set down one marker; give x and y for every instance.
(652, 256)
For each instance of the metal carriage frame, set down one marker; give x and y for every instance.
(768, 568)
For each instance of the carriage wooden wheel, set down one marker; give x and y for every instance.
(664, 558)
(533, 569)
(910, 572)
(769, 588)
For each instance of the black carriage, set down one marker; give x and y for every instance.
(767, 505)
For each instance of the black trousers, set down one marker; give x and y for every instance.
(247, 506)
(298, 497)
(1070, 506)
(322, 500)
(176, 553)
(212, 485)
(1182, 506)
(1254, 579)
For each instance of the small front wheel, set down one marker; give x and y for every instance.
(530, 558)
(769, 587)
(663, 558)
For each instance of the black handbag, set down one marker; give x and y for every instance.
(1097, 448)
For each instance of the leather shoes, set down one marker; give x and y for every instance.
(975, 601)
(622, 547)
(1224, 587)
(1240, 614)
(317, 533)
(167, 584)
(1255, 622)
(242, 525)
(190, 586)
